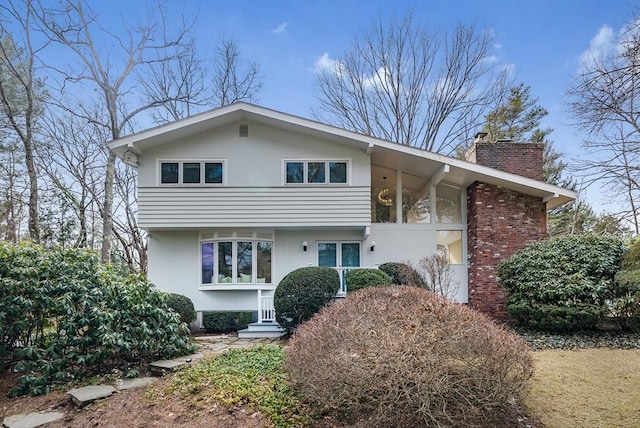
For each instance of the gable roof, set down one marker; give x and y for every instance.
(384, 153)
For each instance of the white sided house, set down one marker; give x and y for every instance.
(235, 198)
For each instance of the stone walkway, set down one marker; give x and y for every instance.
(208, 346)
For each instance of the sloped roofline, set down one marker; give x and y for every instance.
(464, 172)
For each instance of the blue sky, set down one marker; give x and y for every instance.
(542, 41)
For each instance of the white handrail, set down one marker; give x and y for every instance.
(266, 311)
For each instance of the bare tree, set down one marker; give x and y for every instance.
(605, 100)
(74, 165)
(21, 92)
(436, 271)
(112, 75)
(402, 83)
(13, 190)
(233, 79)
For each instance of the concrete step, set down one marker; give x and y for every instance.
(85, 395)
(264, 326)
(261, 330)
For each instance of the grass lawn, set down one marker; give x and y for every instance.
(586, 388)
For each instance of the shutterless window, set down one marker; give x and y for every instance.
(295, 172)
(316, 172)
(213, 172)
(169, 173)
(191, 172)
(236, 262)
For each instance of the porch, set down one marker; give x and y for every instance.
(267, 326)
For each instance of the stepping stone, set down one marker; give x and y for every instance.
(31, 420)
(134, 383)
(162, 367)
(84, 396)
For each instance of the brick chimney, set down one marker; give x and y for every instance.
(525, 159)
(500, 221)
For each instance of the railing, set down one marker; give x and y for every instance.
(266, 311)
(342, 271)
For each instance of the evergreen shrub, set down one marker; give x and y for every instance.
(302, 293)
(226, 321)
(361, 278)
(183, 306)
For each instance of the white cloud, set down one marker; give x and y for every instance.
(280, 28)
(491, 59)
(325, 63)
(600, 46)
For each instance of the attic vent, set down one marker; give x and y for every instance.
(243, 130)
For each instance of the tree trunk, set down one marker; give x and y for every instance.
(107, 210)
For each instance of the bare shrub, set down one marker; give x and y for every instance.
(404, 356)
(437, 275)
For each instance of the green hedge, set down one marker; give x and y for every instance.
(302, 293)
(64, 316)
(226, 321)
(564, 283)
(361, 278)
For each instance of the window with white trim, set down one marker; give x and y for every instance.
(316, 171)
(210, 172)
(236, 260)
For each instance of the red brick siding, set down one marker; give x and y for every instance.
(524, 159)
(500, 222)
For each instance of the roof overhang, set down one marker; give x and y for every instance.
(385, 153)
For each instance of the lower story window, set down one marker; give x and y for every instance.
(236, 262)
(450, 244)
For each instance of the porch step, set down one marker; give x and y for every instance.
(259, 330)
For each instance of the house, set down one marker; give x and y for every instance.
(235, 198)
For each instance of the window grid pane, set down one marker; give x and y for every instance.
(295, 172)
(191, 173)
(213, 172)
(327, 254)
(316, 172)
(207, 262)
(245, 262)
(337, 172)
(263, 260)
(225, 262)
(169, 173)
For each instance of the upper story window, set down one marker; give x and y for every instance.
(191, 172)
(316, 172)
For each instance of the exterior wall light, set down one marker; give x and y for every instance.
(373, 246)
(304, 246)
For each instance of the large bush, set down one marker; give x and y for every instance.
(302, 293)
(562, 284)
(361, 278)
(404, 357)
(183, 306)
(65, 316)
(402, 274)
(625, 307)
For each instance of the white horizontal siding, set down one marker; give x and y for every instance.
(169, 207)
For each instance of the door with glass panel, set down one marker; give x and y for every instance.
(339, 255)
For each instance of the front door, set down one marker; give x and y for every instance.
(341, 256)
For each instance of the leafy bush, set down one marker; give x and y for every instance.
(226, 321)
(564, 283)
(183, 306)
(631, 259)
(402, 274)
(302, 293)
(65, 316)
(404, 356)
(361, 278)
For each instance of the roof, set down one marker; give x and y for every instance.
(385, 153)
